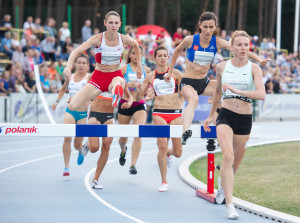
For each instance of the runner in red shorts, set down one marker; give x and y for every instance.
(109, 47)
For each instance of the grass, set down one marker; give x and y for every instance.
(268, 176)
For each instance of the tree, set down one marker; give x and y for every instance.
(228, 15)
(204, 8)
(217, 7)
(49, 8)
(260, 17)
(61, 10)
(150, 11)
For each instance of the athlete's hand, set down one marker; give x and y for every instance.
(206, 124)
(265, 61)
(132, 84)
(54, 106)
(231, 88)
(139, 72)
(67, 72)
(167, 77)
(128, 103)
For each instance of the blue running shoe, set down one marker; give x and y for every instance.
(80, 158)
(66, 172)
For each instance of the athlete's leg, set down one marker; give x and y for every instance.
(162, 144)
(106, 142)
(190, 95)
(139, 118)
(225, 139)
(116, 81)
(93, 142)
(176, 149)
(123, 120)
(78, 140)
(84, 96)
(210, 88)
(68, 119)
(239, 149)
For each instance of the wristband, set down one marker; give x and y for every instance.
(57, 101)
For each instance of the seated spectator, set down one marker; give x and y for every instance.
(5, 25)
(29, 84)
(160, 38)
(20, 86)
(269, 86)
(56, 83)
(18, 56)
(25, 40)
(92, 60)
(60, 67)
(66, 49)
(218, 57)
(37, 28)
(48, 48)
(48, 27)
(4, 83)
(38, 56)
(15, 40)
(46, 83)
(52, 70)
(6, 45)
(86, 31)
(28, 26)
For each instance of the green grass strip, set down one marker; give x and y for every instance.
(268, 176)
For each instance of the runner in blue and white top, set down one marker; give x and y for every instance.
(137, 111)
(74, 84)
(201, 49)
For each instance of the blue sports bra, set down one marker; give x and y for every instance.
(131, 76)
(199, 55)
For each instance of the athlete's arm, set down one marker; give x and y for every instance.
(224, 44)
(94, 40)
(128, 98)
(132, 42)
(61, 93)
(142, 89)
(186, 43)
(216, 97)
(259, 93)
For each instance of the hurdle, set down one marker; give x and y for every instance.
(145, 131)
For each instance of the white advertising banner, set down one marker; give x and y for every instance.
(27, 108)
(280, 106)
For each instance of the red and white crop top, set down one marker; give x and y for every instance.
(109, 55)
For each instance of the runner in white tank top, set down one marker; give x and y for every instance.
(240, 81)
(77, 81)
(107, 75)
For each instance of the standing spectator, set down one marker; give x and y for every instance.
(48, 27)
(18, 56)
(6, 45)
(177, 37)
(160, 38)
(29, 61)
(86, 31)
(64, 33)
(56, 83)
(6, 25)
(149, 42)
(4, 83)
(28, 26)
(29, 84)
(48, 48)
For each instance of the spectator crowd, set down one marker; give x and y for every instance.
(49, 48)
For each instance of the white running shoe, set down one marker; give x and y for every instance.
(169, 161)
(220, 194)
(231, 212)
(95, 185)
(163, 188)
(84, 150)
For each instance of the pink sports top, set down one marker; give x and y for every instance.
(109, 55)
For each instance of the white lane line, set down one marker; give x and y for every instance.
(95, 195)
(24, 141)
(29, 148)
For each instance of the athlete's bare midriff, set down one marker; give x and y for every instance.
(195, 71)
(107, 68)
(102, 105)
(170, 101)
(237, 106)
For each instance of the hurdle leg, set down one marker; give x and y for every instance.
(209, 194)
